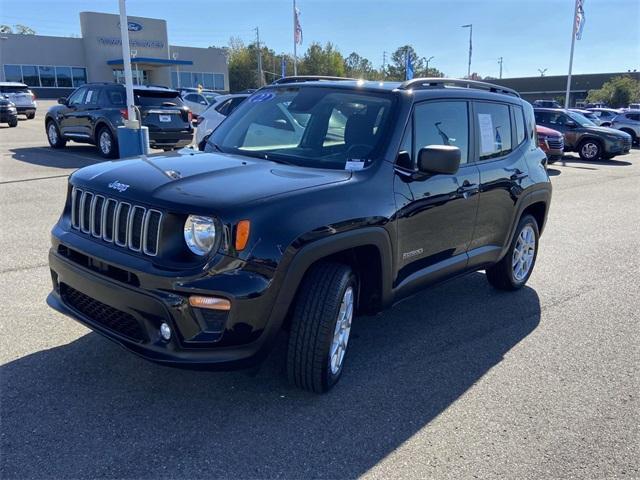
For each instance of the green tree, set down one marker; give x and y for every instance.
(319, 60)
(24, 30)
(243, 65)
(4, 29)
(396, 70)
(618, 92)
(358, 67)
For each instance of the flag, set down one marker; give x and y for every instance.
(580, 19)
(283, 67)
(408, 67)
(297, 33)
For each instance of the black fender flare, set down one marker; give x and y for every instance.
(535, 196)
(294, 270)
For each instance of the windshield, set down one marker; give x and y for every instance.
(210, 97)
(307, 126)
(581, 119)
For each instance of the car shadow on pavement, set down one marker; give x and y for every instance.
(76, 156)
(569, 160)
(89, 409)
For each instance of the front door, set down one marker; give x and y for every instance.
(68, 120)
(436, 213)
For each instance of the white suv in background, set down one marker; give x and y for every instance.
(198, 101)
(210, 118)
(20, 95)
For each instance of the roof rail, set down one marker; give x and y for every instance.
(426, 83)
(308, 78)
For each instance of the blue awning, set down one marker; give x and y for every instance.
(160, 62)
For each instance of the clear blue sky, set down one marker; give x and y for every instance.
(529, 34)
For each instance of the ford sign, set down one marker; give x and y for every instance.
(134, 27)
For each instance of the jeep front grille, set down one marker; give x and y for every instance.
(129, 226)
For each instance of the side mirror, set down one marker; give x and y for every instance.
(571, 124)
(443, 159)
(63, 101)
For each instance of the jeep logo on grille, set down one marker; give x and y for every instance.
(116, 185)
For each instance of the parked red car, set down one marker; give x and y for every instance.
(551, 142)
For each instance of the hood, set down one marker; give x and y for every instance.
(550, 132)
(196, 182)
(607, 130)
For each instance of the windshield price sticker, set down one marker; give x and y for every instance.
(354, 165)
(262, 97)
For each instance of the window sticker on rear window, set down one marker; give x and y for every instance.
(262, 97)
(486, 133)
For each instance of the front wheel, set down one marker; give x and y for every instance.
(54, 137)
(13, 123)
(513, 271)
(321, 326)
(590, 150)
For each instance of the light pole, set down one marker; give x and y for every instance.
(427, 62)
(500, 63)
(470, 27)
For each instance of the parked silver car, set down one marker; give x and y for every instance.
(20, 95)
(605, 115)
(628, 122)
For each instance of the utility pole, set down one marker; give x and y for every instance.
(573, 43)
(500, 62)
(470, 27)
(259, 57)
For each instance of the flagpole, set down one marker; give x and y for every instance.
(295, 49)
(573, 43)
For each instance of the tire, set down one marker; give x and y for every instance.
(321, 324)
(504, 275)
(56, 140)
(13, 123)
(590, 149)
(106, 143)
(31, 116)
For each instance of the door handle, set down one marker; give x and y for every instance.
(466, 188)
(519, 175)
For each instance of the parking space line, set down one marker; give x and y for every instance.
(36, 178)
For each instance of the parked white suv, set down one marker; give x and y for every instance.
(198, 101)
(628, 122)
(210, 118)
(20, 95)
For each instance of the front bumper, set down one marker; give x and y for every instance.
(6, 116)
(130, 312)
(24, 110)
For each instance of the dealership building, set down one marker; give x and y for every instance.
(53, 66)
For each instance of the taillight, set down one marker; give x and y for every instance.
(199, 120)
(125, 113)
(33, 95)
(190, 116)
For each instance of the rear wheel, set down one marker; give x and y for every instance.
(321, 326)
(513, 271)
(590, 149)
(31, 116)
(107, 146)
(56, 140)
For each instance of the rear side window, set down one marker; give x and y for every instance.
(634, 116)
(116, 98)
(234, 103)
(223, 107)
(442, 123)
(92, 96)
(518, 116)
(493, 124)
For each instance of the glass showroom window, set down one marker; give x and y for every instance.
(196, 79)
(79, 76)
(185, 79)
(208, 80)
(12, 73)
(47, 76)
(63, 76)
(30, 75)
(174, 79)
(219, 81)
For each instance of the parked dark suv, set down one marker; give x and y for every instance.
(583, 136)
(93, 112)
(318, 201)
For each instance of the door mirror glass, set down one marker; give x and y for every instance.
(571, 124)
(442, 159)
(63, 101)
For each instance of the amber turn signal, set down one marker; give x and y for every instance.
(212, 303)
(242, 234)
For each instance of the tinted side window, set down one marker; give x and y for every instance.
(223, 107)
(77, 96)
(92, 96)
(116, 97)
(518, 116)
(494, 129)
(192, 97)
(443, 123)
(235, 102)
(405, 158)
(634, 116)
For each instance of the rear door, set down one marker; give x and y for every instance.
(501, 158)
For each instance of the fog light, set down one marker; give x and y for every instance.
(165, 331)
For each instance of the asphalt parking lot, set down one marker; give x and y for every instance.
(460, 381)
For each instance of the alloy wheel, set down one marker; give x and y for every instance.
(590, 150)
(341, 332)
(105, 142)
(523, 253)
(52, 132)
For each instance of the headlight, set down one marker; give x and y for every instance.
(200, 234)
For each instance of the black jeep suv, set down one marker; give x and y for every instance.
(93, 112)
(317, 201)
